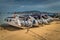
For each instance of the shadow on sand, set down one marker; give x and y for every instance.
(9, 27)
(13, 28)
(37, 36)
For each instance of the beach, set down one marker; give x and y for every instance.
(45, 32)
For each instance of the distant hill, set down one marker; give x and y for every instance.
(37, 13)
(29, 12)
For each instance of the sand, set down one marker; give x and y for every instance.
(45, 32)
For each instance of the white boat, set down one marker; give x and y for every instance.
(19, 21)
(22, 21)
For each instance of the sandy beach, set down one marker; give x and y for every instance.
(45, 32)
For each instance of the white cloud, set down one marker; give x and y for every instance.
(52, 4)
(22, 6)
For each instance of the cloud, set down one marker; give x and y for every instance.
(25, 5)
(22, 6)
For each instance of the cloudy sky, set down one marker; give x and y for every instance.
(28, 5)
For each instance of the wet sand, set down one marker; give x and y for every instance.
(45, 32)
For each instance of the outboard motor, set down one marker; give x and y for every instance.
(34, 22)
(44, 20)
